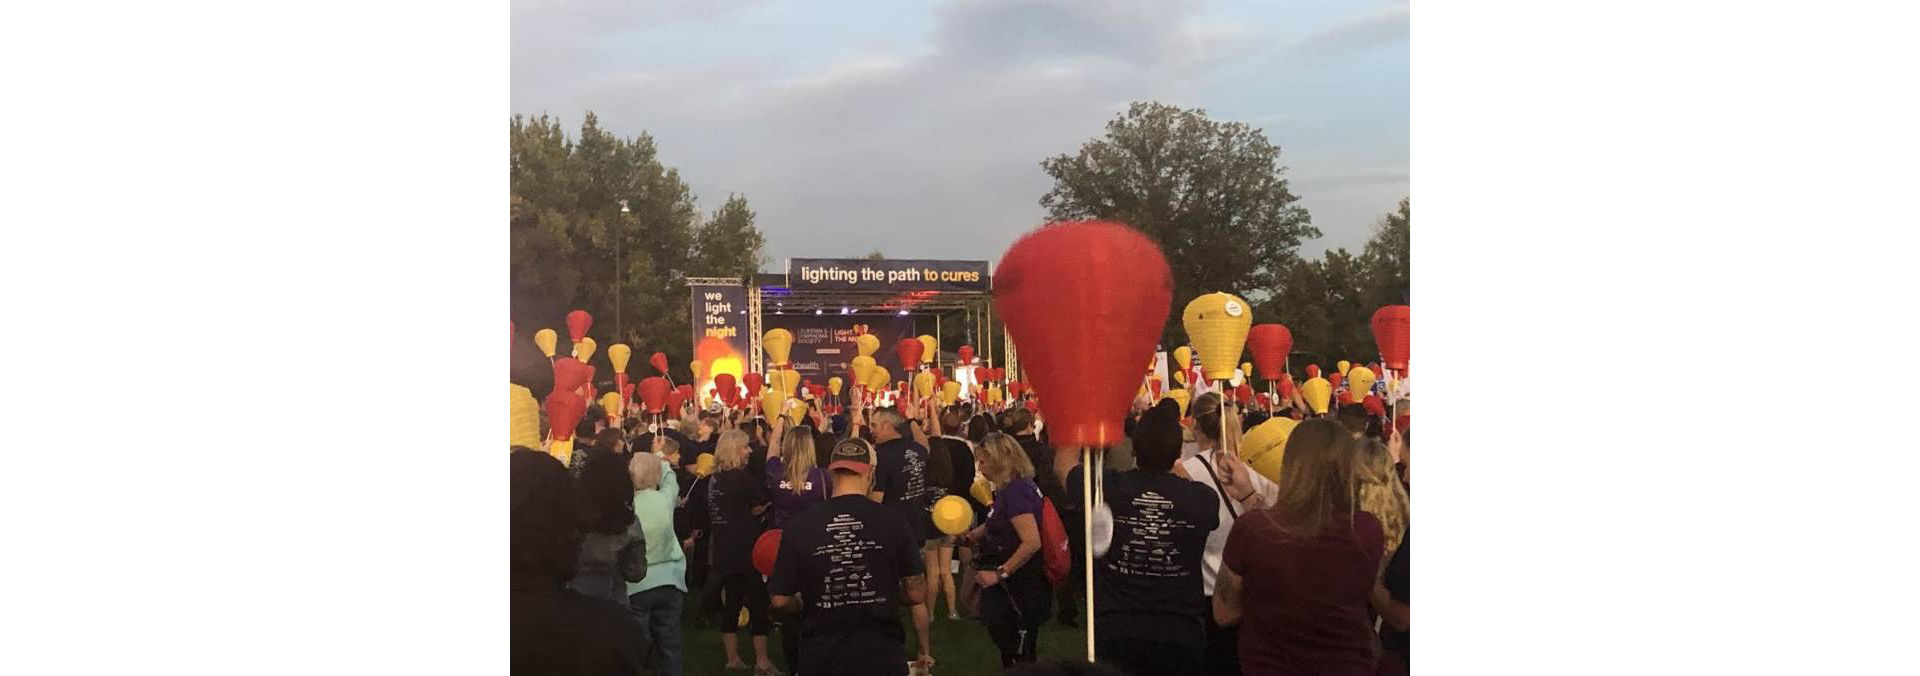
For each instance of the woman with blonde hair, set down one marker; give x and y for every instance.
(1380, 492)
(734, 499)
(1310, 561)
(1014, 597)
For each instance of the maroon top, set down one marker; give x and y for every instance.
(1305, 602)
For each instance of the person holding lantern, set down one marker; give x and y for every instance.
(658, 599)
(1014, 597)
(1218, 466)
(735, 500)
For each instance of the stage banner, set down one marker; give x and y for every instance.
(858, 274)
(720, 326)
(823, 344)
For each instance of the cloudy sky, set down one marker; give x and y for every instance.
(917, 127)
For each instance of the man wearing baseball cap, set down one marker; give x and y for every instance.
(846, 566)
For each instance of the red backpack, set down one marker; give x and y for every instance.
(1053, 544)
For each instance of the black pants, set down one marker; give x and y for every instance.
(744, 590)
(790, 643)
(1013, 611)
(1223, 646)
(1073, 590)
(1150, 658)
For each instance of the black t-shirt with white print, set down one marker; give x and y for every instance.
(845, 558)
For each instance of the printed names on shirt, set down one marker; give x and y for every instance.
(1148, 548)
(850, 578)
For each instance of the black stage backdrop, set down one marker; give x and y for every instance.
(823, 344)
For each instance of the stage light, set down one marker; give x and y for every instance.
(817, 311)
(903, 312)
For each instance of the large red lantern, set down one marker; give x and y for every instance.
(1079, 298)
(578, 321)
(653, 393)
(1270, 344)
(564, 411)
(754, 381)
(909, 350)
(569, 374)
(766, 550)
(1391, 326)
(728, 390)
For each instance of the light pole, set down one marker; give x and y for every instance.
(620, 271)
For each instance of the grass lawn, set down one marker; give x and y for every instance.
(959, 646)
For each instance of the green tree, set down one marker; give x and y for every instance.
(1328, 304)
(875, 255)
(571, 246)
(1387, 259)
(729, 245)
(1212, 194)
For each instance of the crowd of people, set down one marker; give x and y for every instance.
(820, 525)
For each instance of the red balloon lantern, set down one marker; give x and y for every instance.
(1391, 326)
(1313, 371)
(626, 392)
(653, 393)
(1270, 344)
(578, 321)
(754, 381)
(681, 395)
(1014, 388)
(765, 551)
(659, 362)
(1373, 405)
(1334, 380)
(966, 352)
(564, 411)
(1243, 393)
(1079, 298)
(909, 350)
(569, 374)
(728, 390)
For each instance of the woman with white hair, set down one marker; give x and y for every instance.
(659, 598)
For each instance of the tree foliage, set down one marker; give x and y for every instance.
(571, 247)
(1328, 304)
(1212, 194)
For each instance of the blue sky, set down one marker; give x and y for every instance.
(917, 128)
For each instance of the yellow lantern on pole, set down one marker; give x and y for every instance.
(923, 384)
(1179, 397)
(1217, 325)
(785, 380)
(1183, 356)
(703, 466)
(1180, 377)
(867, 344)
(548, 340)
(523, 416)
(952, 515)
(928, 348)
(771, 402)
(796, 412)
(995, 395)
(949, 393)
(610, 402)
(1264, 447)
(583, 350)
(879, 379)
(561, 450)
(1247, 368)
(619, 353)
(982, 491)
(699, 370)
(1343, 366)
(1360, 380)
(833, 385)
(1318, 393)
(863, 367)
(779, 345)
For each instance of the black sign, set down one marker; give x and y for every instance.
(857, 274)
(720, 328)
(823, 345)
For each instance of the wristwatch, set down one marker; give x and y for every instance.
(1000, 570)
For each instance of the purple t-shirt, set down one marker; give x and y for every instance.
(1020, 496)
(785, 503)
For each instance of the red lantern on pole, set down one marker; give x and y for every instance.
(653, 393)
(578, 321)
(754, 381)
(727, 389)
(564, 411)
(966, 351)
(626, 392)
(659, 362)
(1270, 344)
(1313, 371)
(1079, 298)
(909, 350)
(1391, 326)
(570, 375)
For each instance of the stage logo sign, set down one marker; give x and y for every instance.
(858, 274)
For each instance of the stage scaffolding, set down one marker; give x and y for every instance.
(769, 294)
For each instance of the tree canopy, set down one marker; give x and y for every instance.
(572, 247)
(1212, 194)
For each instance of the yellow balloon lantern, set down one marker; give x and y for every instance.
(995, 395)
(789, 381)
(561, 450)
(796, 412)
(1318, 393)
(1360, 380)
(1246, 367)
(523, 415)
(703, 465)
(1183, 356)
(1217, 325)
(548, 340)
(1180, 377)
(863, 367)
(610, 402)
(928, 348)
(619, 353)
(833, 385)
(771, 403)
(583, 350)
(949, 393)
(923, 384)
(1343, 366)
(879, 379)
(698, 369)
(982, 491)
(1179, 397)
(778, 344)
(867, 344)
(1265, 437)
(952, 515)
